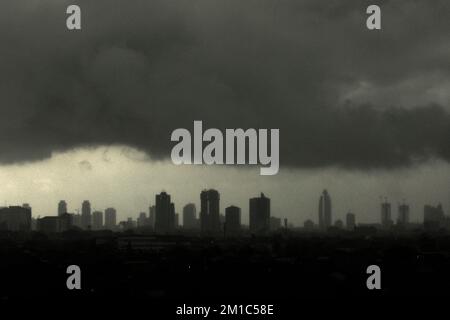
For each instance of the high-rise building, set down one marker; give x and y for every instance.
(232, 221)
(189, 216)
(260, 215)
(110, 218)
(164, 214)
(350, 221)
(86, 218)
(403, 214)
(433, 217)
(97, 220)
(62, 207)
(210, 212)
(151, 216)
(15, 218)
(177, 220)
(325, 211)
(386, 221)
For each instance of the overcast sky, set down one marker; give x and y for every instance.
(88, 114)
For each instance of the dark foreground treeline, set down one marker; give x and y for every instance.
(198, 270)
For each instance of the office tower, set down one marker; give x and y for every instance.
(86, 219)
(151, 216)
(164, 214)
(350, 221)
(110, 218)
(97, 220)
(210, 212)
(189, 216)
(433, 217)
(403, 214)
(260, 215)
(62, 207)
(15, 218)
(232, 221)
(386, 220)
(177, 220)
(142, 220)
(325, 211)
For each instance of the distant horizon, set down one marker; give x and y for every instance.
(45, 193)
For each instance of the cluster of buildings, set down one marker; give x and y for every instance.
(162, 218)
(434, 217)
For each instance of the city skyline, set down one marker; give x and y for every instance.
(164, 217)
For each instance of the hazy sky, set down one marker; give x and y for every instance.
(88, 114)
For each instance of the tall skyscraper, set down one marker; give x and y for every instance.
(151, 216)
(210, 212)
(260, 215)
(386, 220)
(403, 214)
(62, 207)
(350, 221)
(325, 211)
(177, 220)
(232, 221)
(164, 214)
(189, 216)
(86, 218)
(97, 220)
(110, 218)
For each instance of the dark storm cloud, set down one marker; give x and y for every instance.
(140, 69)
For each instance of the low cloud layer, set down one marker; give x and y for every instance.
(341, 95)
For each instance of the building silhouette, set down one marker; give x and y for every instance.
(275, 223)
(325, 211)
(386, 220)
(260, 215)
(110, 218)
(164, 214)
(15, 218)
(350, 221)
(339, 224)
(232, 221)
(142, 220)
(433, 217)
(177, 220)
(151, 216)
(97, 220)
(54, 224)
(403, 214)
(86, 218)
(308, 225)
(210, 212)
(190, 216)
(62, 207)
